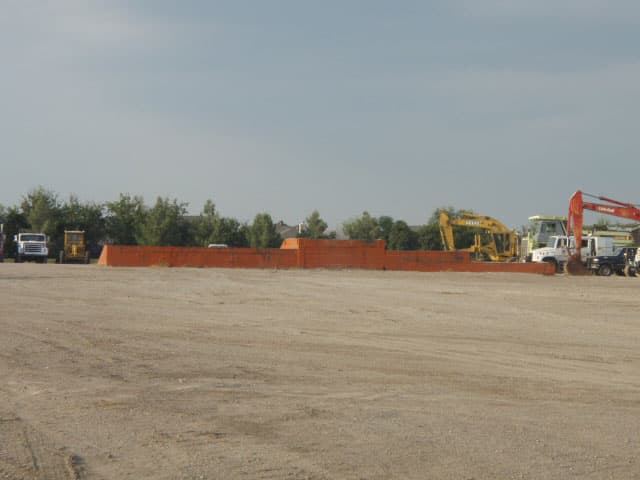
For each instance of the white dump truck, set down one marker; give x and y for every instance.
(559, 247)
(31, 247)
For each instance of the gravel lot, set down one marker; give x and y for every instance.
(113, 373)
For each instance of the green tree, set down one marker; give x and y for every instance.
(42, 210)
(125, 219)
(205, 225)
(364, 227)
(385, 223)
(243, 236)
(428, 237)
(401, 237)
(165, 224)
(231, 232)
(262, 233)
(449, 210)
(314, 227)
(210, 227)
(14, 221)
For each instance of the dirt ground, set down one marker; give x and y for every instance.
(113, 373)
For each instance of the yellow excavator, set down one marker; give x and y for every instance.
(493, 241)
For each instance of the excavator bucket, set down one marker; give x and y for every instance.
(574, 266)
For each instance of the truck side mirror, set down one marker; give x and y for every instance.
(15, 238)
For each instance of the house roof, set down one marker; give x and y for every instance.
(287, 231)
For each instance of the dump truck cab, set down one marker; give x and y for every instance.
(75, 248)
(31, 247)
(541, 228)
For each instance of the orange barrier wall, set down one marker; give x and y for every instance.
(506, 267)
(338, 253)
(425, 261)
(134, 256)
(304, 253)
(436, 261)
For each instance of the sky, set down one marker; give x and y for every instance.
(505, 107)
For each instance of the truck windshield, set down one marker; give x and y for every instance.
(32, 238)
(559, 242)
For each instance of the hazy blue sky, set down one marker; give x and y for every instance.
(286, 106)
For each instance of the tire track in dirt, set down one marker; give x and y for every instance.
(26, 453)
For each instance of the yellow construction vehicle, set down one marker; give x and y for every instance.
(75, 248)
(492, 240)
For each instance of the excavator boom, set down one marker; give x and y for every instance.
(502, 242)
(577, 206)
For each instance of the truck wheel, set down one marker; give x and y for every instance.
(18, 259)
(629, 271)
(604, 270)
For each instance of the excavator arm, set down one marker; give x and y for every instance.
(446, 233)
(502, 249)
(577, 206)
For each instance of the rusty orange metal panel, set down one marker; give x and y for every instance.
(310, 254)
(426, 261)
(136, 256)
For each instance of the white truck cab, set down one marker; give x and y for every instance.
(31, 246)
(559, 247)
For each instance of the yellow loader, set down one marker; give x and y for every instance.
(75, 248)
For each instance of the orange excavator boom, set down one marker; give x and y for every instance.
(577, 206)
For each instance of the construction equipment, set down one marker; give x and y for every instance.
(492, 240)
(559, 246)
(541, 228)
(75, 249)
(31, 247)
(577, 205)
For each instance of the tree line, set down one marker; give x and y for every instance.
(129, 221)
